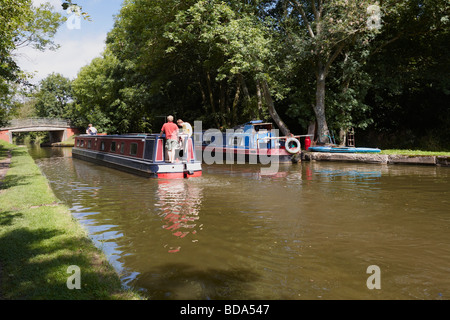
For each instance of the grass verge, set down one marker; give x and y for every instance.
(68, 142)
(415, 152)
(40, 240)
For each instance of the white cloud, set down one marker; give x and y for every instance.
(67, 60)
(55, 3)
(79, 44)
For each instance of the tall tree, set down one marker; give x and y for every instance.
(22, 24)
(54, 97)
(410, 70)
(320, 31)
(234, 45)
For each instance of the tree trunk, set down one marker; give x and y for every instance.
(235, 102)
(271, 107)
(342, 137)
(244, 88)
(319, 108)
(204, 100)
(312, 130)
(222, 104)
(259, 97)
(211, 99)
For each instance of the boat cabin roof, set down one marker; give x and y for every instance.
(122, 136)
(256, 125)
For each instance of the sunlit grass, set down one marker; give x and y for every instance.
(415, 152)
(40, 239)
(69, 141)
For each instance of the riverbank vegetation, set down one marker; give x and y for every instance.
(415, 152)
(40, 240)
(380, 68)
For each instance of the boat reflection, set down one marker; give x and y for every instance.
(284, 171)
(179, 204)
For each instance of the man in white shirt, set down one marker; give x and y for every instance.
(91, 130)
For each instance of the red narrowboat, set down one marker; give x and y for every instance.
(142, 154)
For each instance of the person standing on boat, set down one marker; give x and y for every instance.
(91, 129)
(185, 128)
(185, 132)
(171, 131)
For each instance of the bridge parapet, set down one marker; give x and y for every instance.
(37, 122)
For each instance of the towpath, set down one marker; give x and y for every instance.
(4, 166)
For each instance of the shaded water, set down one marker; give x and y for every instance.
(308, 232)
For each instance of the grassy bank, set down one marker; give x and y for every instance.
(414, 152)
(40, 240)
(69, 142)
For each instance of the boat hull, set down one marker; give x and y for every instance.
(140, 154)
(251, 156)
(344, 150)
(176, 170)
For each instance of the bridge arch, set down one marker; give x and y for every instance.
(59, 129)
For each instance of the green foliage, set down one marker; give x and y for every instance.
(22, 24)
(102, 99)
(235, 47)
(40, 240)
(325, 61)
(53, 99)
(68, 5)
(411, 79)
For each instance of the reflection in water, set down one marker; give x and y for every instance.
(37, 152)
(349, 173)
(308, 232)
(286, 171)
(179, 204)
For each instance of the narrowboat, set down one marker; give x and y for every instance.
(252, 142)
(142, 154)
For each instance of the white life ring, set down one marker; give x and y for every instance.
(187, 129)
(294, 149)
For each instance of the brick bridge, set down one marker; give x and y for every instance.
(58, 129)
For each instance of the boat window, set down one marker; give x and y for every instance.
(102, 145)
(82, 143)
(133, 149)
(78, 143)
(263, 127)
(122, 147)
(89, 144)
(113, 146)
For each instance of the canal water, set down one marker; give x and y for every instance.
(311, 231)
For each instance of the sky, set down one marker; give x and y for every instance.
(79, 44)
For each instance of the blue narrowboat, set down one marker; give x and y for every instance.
(253, 141)
(142, 154)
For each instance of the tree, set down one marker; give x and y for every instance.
(22, 24)
(235, 45)
(410, 70)
(54, 97)
(95, 95)
(320, 32)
